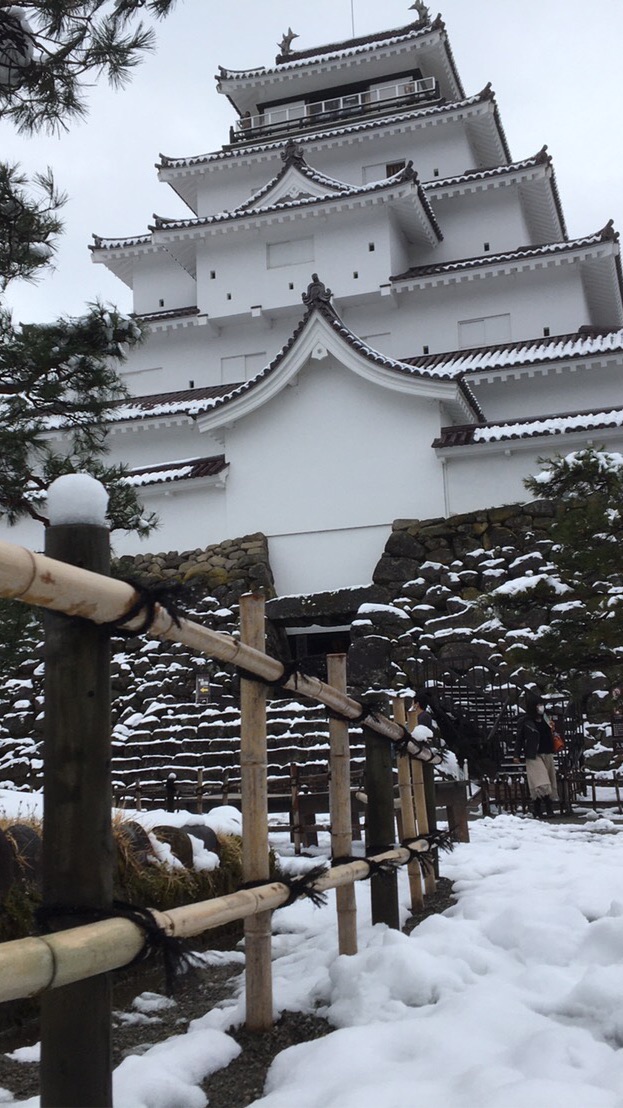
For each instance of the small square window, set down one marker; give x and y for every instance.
(371, 247)
(191, 384)
(546, 332)
(212, 274)
(355, 274)
(291, 285)
(229, 296)
(487, 247)
(425, 350)
(435, 172)
(161, 303)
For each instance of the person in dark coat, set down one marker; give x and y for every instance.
(535, 744)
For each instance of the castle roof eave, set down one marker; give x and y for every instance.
(521, 434)
(239, 85)
(512, 259)
(401, 189)
(170, 168)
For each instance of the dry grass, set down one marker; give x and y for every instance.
(147, 884)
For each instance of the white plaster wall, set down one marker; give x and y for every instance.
(334, 451)
(561, 389)
(493, 475)
(317, 562)
(443, 147)
(159, 277)
(191, 516)
(139, 444)
(536, 298)
(339, 249)
(470, 220)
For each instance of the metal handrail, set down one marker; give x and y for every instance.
(277, 118)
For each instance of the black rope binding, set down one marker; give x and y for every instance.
(368, 711)
(177, 956)
(289, 670)
(165, 593)
(299, 886)
(436, 840)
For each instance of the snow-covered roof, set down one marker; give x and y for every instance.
(342, 51)
(406, 176)
(186, 470)
(354, 127)
(459, 181)
(585, 343)
(521, 254)
(184, 402)
(193, 403)
(470, 434)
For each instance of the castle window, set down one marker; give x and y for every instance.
(485, 331)
(394, 167)
(212, 274)
(293, 252)
(371, 247)
(161, 303)
(546, 332)
(241, 367)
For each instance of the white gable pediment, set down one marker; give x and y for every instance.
(293, 184)
(319, 338)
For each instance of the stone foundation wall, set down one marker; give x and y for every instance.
(224, 570)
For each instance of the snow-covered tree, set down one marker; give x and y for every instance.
(63, 375)
(584, 587)
(51, 49)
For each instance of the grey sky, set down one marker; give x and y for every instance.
(554, 65)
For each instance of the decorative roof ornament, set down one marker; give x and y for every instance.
(292, 153)
(317, 293)
(423, 11)
(285, 45)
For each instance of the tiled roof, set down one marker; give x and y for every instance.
(486, 94)
(520, 254)
(349, 48)
(100, 243)
(469, 434)
(173, 313)
(585, 343)
(404, 176)
(186, 470)
(189, 402)
(490, 173)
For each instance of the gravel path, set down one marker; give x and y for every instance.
(236, 1086)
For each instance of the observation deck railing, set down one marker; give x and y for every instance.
(295, 117)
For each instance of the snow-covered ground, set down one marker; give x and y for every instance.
(510, 998)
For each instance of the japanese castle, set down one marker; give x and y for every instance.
(372, 311)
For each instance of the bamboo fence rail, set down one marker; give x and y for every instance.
(30, 966)
(36, 579)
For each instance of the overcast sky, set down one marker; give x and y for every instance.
(554, 65)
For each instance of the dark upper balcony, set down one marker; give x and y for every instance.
(290, 119)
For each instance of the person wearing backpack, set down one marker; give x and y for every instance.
(535, 744)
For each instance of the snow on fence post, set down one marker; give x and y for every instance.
(340, 806)
(254, 803)
(421, 810)
(407, 810)
(78, 851)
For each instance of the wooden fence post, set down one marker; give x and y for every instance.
(254, 802)
(340, 805)
(421, 809)
(380, 827)
(78, 851)
(407, 807)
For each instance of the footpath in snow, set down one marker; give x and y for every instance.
(510, 998)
